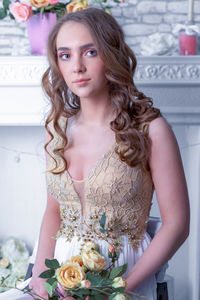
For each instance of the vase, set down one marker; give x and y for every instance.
(39, 27)
(187, 44)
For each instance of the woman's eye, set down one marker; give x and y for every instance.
(92, 53)
(64, 56)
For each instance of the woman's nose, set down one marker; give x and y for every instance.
(78, 65)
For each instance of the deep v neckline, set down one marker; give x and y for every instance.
(95, 166)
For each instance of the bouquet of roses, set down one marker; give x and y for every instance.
(86, 276)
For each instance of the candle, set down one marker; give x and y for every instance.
(190, 10)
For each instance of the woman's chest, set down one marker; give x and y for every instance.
(85, 149)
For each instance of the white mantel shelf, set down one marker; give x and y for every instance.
(27, 70)
(21, 73)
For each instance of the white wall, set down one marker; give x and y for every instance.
(22, 183)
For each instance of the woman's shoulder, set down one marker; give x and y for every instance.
(159, 129)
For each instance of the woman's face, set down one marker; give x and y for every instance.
(79, 61)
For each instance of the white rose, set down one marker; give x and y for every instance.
(119, 282)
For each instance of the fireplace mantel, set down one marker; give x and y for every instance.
(22, 101)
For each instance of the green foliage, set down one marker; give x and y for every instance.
(6, 4)
(103, 223)
(52, 263)
(3, 13)
(47, 274)
(118, 271)
(49, 288)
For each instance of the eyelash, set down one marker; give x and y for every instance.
(61, 55)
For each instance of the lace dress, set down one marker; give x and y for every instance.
(124, 193)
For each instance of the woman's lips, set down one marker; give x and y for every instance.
(81, 81)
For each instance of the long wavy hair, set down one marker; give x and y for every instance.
(133, 109)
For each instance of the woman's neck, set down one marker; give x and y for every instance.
(96, 112)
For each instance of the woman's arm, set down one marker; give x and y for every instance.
(171, 190)
(49, 227)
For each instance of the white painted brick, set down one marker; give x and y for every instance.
(152, 19)
(5, 51)
(136, 49)
(132, 2)
(138, 29)
(133, 40)
(131, 12)
(11, 30)
(146, 7)
(178, 7)
(4, 42)
(164, 28)
(174, 18)
(120, 21)
(116, 11)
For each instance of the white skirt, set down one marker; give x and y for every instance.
(65, 250)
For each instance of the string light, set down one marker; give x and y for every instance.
(17, 157)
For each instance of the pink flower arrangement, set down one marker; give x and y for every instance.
(22, 10)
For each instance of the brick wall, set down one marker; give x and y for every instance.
(139, 18)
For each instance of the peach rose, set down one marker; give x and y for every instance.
(4, 262)
(89, 246)
(70, 274)
(77, 5)
(20, 11)
(77, 259)
(93, 260)
(53, 1)
(39, 3)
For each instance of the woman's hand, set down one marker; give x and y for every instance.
(37, 286)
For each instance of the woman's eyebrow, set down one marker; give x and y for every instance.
(81, 47)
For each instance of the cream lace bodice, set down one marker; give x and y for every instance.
(124, 193)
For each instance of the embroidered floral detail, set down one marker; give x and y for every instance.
(122, 192)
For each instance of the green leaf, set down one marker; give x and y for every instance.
(42, 10)
(104, 273)
(3, 13)
(112, 296)
(103, 221)
(48, 288)
(6, 4)
(120, 290)
(52, 280)
(103, 230)
(118, 271)
(47, 274)
(52, 263)
(11, 16)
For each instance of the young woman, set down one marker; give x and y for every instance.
(108, 148)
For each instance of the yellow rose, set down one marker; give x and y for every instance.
(70, 274)
(4, 262)
(77, 5)
(77, 259)
(93, 260)
(39, 3)
(89, 246)
(119, 282)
